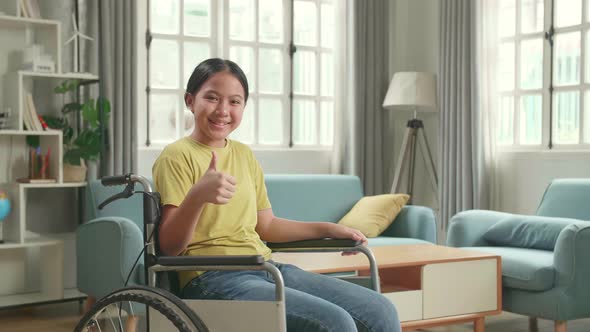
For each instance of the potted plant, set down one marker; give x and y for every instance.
(82, 143)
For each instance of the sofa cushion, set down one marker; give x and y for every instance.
(527, 231)
(394, 241)
(528, 269)
(373, 214)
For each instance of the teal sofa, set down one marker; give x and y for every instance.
(545, 257)
(108, 244)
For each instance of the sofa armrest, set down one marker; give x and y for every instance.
(413, 221)
(466, 229)
(571, 260)
(571, 256)
(105, 251)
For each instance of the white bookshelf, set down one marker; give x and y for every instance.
(30, 243)
(16, 132)
(23, 299)
(78, 76)
(29, 82)
(13, 22)
(53, 185)
(33, 266)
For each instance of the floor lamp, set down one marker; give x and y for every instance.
(416, 91)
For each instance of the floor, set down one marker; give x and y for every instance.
(64, 316)
(52, 317)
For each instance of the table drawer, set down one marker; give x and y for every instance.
(407, 303)
(458, 288)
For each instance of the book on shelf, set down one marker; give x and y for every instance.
(32, 111)
(30, 8)
(23, 9)
(27, 180)
(35, 12)
(27, 119)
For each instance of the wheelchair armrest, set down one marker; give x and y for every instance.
(314, 244)
(332, 245)
(210, 260)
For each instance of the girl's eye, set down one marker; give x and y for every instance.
(236, 102)
(211, 98)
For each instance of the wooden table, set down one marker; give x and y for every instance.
(430, 285)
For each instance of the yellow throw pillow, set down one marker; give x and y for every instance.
(373, 214)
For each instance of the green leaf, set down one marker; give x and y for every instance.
(33, 141)
(73, 156)
(54, 122)
(85, 138)
(67, 86)
(71, 107)
(88, 141)
(60, 88)
(73, 84)
(104, 105)
(68, 134)
(90, 113)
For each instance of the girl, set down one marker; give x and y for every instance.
(215, 203)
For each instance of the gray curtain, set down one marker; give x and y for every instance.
(115, 25)
(458, 107)
(366, 118)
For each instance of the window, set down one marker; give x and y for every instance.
(544, 71)
(256, 34)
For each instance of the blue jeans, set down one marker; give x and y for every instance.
(313, 302)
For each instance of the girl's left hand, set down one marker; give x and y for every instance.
(343, 232)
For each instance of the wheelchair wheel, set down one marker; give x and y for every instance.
(125, 310)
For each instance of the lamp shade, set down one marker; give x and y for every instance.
(416, 89)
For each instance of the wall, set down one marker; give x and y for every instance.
(523, 176)
(414, 47)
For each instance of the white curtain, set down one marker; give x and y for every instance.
(360, 128)
(457, 95)
(114, 24)
(468, 98)
(487, 103)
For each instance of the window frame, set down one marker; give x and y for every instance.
(220, 43)
(283, 97)
(548, 89)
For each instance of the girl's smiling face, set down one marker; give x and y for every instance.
(218, 107)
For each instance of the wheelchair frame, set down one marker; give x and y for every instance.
(210, 311)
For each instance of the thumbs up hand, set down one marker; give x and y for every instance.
(215, 187)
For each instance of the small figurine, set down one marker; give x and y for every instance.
(75, 39)
(4, 211)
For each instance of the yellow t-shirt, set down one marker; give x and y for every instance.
(227, 229)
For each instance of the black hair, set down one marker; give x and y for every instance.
(212, 66)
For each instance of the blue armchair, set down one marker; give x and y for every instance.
(545, 258)
(109, 243)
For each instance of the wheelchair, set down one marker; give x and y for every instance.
(155, 307)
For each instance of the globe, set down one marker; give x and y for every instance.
(4, 205)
